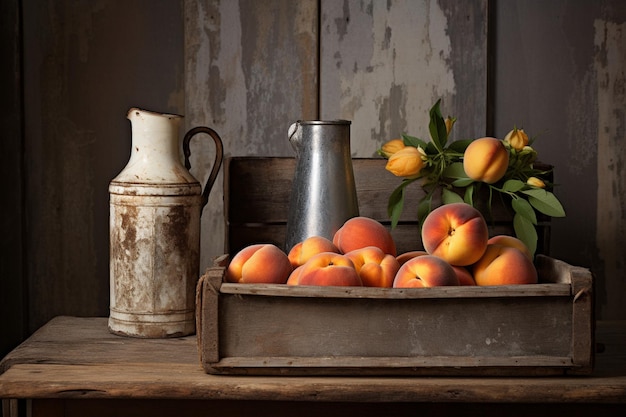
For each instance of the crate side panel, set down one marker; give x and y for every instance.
(298, 327)
(259, 189)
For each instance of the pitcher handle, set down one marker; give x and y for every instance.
(219, 155)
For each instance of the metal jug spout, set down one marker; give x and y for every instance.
(295, 133)
(295, 136)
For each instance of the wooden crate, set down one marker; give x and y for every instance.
(541, 329)
(272, 329)
(257, 191)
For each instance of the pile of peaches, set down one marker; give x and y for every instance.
(458, 251)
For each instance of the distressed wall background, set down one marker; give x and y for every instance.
(560, 72)
(249, 69)
(380, 65)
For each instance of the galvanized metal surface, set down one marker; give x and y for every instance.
(323, 193)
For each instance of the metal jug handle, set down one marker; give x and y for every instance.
(219, 155)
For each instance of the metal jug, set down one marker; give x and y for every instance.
(323, 192)
(155, 208)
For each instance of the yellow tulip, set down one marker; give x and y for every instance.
(407, 162)
(536, 182)
(392, 147)
(449, 123)
(517, 138)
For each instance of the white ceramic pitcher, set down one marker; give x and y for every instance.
(155, 208)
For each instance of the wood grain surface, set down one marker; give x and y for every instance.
(73, 358)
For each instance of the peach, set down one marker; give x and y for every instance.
(375, 267)
(486, 159)
(360, 232)
(402, 258)
(456, 232)
(511, 241)
(425, 271)
(294, 277)
(303, 251)
(259, 263)
(329, 268)
(504, 265)
(464, 275)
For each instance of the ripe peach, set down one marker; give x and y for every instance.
(375, 268)
(455, 232)
(513, 242)
(503, 265)
(303, 251)
(425, 271)
(464, 275)
(486, 159)
(402, 258)
(329, 268)
(259, 263)
(360, 232)
(294, 277)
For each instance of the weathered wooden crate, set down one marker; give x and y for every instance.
(257, 192)
(272, 329)
(541, 329)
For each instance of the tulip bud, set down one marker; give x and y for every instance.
(536, 182)
(391, 147)
(529, 154)
(407, 162)
(517, 139)
(449, 123)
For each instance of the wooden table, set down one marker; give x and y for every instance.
(75, 367)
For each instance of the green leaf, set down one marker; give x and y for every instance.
(513, 185)
(545, 202)
(455, 170)
(525, 231)
(423, 208)
(395, 205)
(413, 141)
(460, 145)
(524, 209)
(431, 149)
(469, 194)
(437, 127)
(449, 196)
(462, 182)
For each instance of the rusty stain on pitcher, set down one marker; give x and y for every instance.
(155, 209)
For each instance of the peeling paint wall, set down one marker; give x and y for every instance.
(250, 68)
(86, 64)
(384, 64)
(610, 60)
(251, 71)
(12, 292)
(559, 73)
